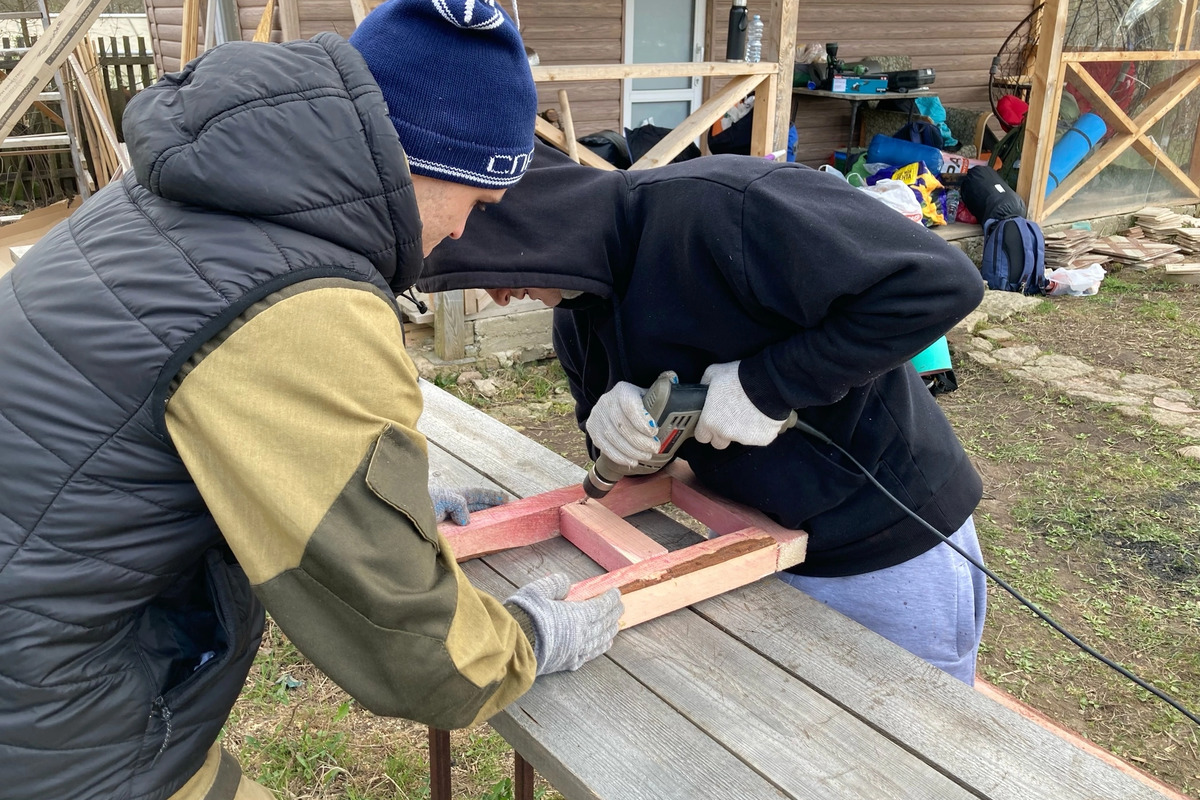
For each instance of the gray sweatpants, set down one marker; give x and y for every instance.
(932, 605)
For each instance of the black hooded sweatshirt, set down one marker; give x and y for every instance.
(819, 290)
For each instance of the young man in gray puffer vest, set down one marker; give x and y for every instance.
(206, 408)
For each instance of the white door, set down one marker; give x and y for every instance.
(658, 31)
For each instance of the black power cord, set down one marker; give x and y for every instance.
(1161, 695)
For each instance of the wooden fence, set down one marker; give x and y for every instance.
(43, 176)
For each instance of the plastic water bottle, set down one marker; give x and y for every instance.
(754, 40)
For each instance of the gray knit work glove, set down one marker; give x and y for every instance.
(456, 503)
(621, 427)
(729, 415)
(567, 634)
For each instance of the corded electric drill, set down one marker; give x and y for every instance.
(675, 408)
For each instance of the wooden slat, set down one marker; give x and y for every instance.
(783, 26)
(263, 32)
(191, 30)
(604, 711)
(289, 19)
(675, 580)
(34, 70)
(699, 121)
(685, 69)
(535, 519)
(915, 704)
(800, 741)
(568, 125)
(606, 537)
(556, 137)
(518, 465)
(449, 325)
(1042, 116)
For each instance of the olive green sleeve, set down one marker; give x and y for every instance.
(298, 425)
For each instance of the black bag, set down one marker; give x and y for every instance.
(987, 196)
(609, 145)
(735, 139)
(643, 138)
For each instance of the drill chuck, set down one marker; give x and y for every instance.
(595, 485)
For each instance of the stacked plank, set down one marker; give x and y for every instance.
(1159, 224)
(1140, 254)
(1072, 249)
(105, 155)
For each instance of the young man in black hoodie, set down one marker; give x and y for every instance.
(781, 288)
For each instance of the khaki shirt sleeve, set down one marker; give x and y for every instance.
(298, 424)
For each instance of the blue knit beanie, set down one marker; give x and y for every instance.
(457, 85)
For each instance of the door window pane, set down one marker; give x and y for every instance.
(662, 32)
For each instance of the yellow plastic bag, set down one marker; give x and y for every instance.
(928, 189)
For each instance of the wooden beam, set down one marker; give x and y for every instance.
(684, 69)
(1132, 55)
(1158, 107)
(1042, 117)
(20, 89)
(1107, 109)
(785, 11)
(605, 537)
(100, 112)
(721, 515)
(189, 39)
(669, 582)
(556, 137)
(564, 108)
(695, 125)
(536, 518)
(762, 132)
(359, 9)
(289, 19)
(449, 325)
(266, 23)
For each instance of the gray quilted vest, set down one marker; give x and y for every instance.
(126, 628)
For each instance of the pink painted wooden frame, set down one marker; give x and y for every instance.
(653, 581)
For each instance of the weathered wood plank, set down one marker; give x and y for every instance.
(799, 740)
(987, 747)
(598, 732)
(518, 464)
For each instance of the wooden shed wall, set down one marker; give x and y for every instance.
(957, 38)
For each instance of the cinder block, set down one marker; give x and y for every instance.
(525, 331)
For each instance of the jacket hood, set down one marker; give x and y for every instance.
(296, 134)
(532, 239)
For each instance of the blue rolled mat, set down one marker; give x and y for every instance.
(1073, 147)
(886, 149)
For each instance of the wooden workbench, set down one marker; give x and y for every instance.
(759, 693)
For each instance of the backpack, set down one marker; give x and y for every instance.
(1014, 255)
(921, 132)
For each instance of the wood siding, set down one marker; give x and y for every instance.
(567, 32)
(957, 39)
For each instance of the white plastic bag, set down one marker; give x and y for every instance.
(898, 195)
(1075, 282)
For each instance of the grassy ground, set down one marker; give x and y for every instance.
(1092, 514)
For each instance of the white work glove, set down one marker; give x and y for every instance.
(456, 503)
(621, 427)
(729, 415)
(567, 634)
